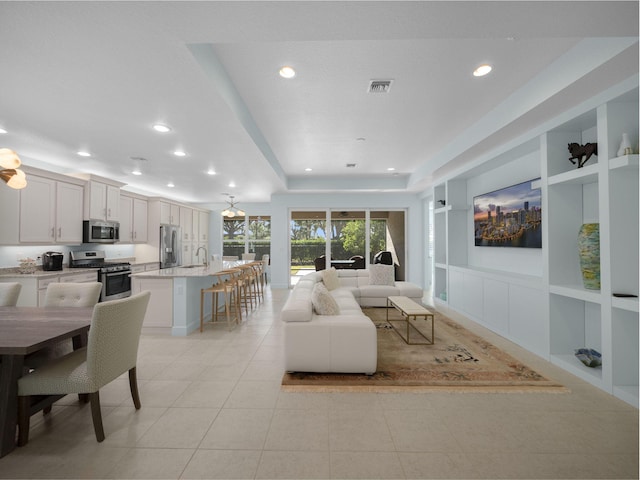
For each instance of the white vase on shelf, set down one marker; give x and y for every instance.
(625, 146)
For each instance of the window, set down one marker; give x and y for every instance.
(259, 236)
(233, 237)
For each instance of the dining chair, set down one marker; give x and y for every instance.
(248, 256)
(81, 295)
(112, 349)
(9, 293)
(72, 294)
(229, 258)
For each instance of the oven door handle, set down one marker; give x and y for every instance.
(113, 274)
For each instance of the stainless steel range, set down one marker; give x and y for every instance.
(114, 276)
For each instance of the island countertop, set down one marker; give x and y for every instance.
(190, 271)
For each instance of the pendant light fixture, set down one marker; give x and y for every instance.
(232, 210)
(10, 173)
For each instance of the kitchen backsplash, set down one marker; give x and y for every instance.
(10, 256)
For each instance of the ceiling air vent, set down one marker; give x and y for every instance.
(380, 86)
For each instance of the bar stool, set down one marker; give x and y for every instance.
(248, 284)
(226, 287)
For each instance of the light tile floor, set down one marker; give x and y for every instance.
(212, 408)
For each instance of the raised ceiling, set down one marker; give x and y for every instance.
(95, 76)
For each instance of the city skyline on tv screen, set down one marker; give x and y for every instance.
(509, 217)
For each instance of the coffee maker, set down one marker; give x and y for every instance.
(52, 261)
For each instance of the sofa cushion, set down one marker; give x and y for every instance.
(322, 301)
(330, 278)
(380, 274)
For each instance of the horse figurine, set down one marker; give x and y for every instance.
(578, 151)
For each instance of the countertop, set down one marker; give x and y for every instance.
(6, 273)
(189, 271)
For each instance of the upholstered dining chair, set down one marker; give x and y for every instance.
(248, 256)
(64, 295)
(9, 293)
(112, 349)
(72, 294)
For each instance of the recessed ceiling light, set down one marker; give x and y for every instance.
(179, 153)
(390, 169)
(287, 72)
(2, 130)
(211, 171)
(482, 70)
(82, 153)
(170, 185)
(232, 185)
(308, 169)
(158, 127)
(136, 172)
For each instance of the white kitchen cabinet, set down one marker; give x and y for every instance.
(133, 219)
(203, 227)
(104, 201)
(169, 213)
(9, 216)
(51, 212)
(186, 224)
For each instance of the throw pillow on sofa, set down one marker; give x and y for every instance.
(330, 278)
(380, 274)
(322, 301)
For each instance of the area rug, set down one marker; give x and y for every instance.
(458, 360)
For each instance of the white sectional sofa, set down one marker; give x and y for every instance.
(346, 342)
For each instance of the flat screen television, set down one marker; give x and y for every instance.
(509, 217)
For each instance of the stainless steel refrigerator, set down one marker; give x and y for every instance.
(170, 246)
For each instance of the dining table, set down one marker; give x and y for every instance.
(24, 330)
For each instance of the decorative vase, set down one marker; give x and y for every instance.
(625, 146)
(589, 252)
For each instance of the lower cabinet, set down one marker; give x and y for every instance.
(160, 309)
(513, 307)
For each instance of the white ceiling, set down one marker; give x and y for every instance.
(97, 75)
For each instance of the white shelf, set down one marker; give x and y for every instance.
(570, 363)
(443, 266)
(578, 292)
(588, 174)
(625, 303)
(444, 209)
(625, 162)
(516, 278)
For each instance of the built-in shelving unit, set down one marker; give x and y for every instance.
(560, 314)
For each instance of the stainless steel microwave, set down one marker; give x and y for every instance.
(100, 232)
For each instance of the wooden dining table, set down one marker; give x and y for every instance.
(24, 330)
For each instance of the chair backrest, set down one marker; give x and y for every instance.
(248, 256)
(230, 258)
(9, 293)
(72, 294)
(112, 346)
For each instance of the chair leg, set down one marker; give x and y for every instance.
(24, 404)
(133, 386)
(96, 415)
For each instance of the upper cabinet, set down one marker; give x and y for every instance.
(102, 198)
(169, 213)
(51, 211)
(133, 219)
(203, 227)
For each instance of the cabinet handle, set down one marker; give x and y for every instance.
(59, 232)
(135, 235)
(53, 232)
(109, 215)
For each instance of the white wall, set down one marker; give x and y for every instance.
(527, 261)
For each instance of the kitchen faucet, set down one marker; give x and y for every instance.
(205, 262)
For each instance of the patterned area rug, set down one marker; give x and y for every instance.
(458, 360)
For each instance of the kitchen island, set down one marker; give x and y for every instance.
(174, 306)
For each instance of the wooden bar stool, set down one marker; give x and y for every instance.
(226, 287)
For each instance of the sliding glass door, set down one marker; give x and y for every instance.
(345, 239)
